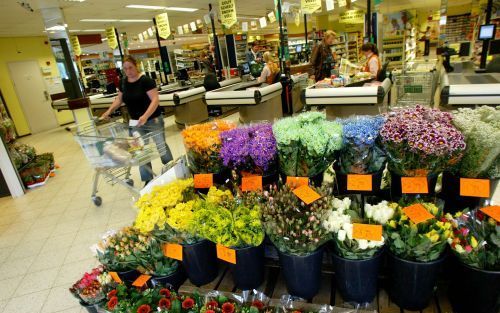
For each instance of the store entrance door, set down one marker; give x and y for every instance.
(33, 96)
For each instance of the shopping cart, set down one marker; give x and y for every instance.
(114, 148)
(415, 88)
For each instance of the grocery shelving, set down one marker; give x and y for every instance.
(393, 50)
(340, 48)
(458, 28)
(241, 48)
(354, 46)
(186, 59)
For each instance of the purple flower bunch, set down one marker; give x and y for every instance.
(249, 148)
(420, 136)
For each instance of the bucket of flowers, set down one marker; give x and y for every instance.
(420, 142)
(476, 245)
(417, 236)
(357, 253)
(220, 302)
(91, 289)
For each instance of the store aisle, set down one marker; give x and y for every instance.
(45, 236)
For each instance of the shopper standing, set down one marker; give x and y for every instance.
(372, 64)
(253, 55)
(141, 96)
(426, 38)
(322, 59)
(270, 70)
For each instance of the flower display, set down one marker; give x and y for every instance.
(422, 242)
(92, 287)
(421, 138)
(220, 303)
(481, 128)
(293, 226)
(361, 152)
(475, 239)
(250, 148)
(306, 143)
(153, 262)
(203, 144)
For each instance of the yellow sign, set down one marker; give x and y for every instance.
(163, 25)
(227, 12)
(342, 3)
(272, 17)
(75, 43)
(310, 6)
(352, 17)
(111, 35)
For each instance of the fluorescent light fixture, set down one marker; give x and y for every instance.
(99, 20)
(247, 18)
(157, 7)
(104, 39)
(135, 21)
(74, 30)
(93, 30)
(57, 27)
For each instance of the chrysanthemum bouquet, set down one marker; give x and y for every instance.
(476, 239)
(361, 152)
(249, 148)
(481, 128)
(306, 143)
(203, 144)
(293, 226)
(424, 241)
(420, 138)
(92, 287)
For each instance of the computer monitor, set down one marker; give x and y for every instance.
(298, 48)
(494, 47)
(182, 74)
(153, 75)
(110, 88)
(245, 68)
(487, 32)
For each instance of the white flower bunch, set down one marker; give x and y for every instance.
(380, 213)
(346, 233)
(337, 216)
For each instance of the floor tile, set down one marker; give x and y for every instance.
(38, 281)
(15, 268)
(58, 242)
(47, 260)
(71, 272)
(31, 303)
(9, 286)
(26, 249)
(58, 299)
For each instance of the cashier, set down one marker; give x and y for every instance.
(372, 64)
(322, 57)
(269, 71)
(253, 55)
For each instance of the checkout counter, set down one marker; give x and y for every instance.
(256, 101)
(349, 99)
(465, 87)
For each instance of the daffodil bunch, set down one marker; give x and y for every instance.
(421, 242)
(475, 239)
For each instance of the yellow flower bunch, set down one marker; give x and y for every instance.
(149, 217)
(180, 217)
(216, 195)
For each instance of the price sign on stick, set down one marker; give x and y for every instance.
(306, 194)
(414, 185)
(251, 183)
(479, 188)
(417, 213)
(493, 211)
(295, 182)
(226, 254)
(141, 281)
(202, 181)
(367, 232)
(115, 277)
(173, 251)
(359, 182)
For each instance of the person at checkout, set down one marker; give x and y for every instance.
(253, 55)
(372, 64)
(322, 59)
(270, 70)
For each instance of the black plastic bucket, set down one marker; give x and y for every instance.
(356, 280)
(341, 186)
(302, 273)
(411, 284)
(316, 180)
(129, 277)
(200, 262)
(474, 290)
(91, 308)
(248, 272)
(176, 279)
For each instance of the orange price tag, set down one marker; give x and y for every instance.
(226, 254)
(306, 194)
(251, 183)
(475, 187)
(202, 181)
(493, 211)
(115, 277)
(295, 182)
(359, 182)
(417, 213)
(414, 185)
(141, 280)
(367, 232)
(173, 251)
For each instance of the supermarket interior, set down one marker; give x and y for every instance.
(270, 156)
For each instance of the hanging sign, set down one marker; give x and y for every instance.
(111, 35)
(253, 24)
(310, 6)
(342, 3)
(180, 31)
(141, 39)
(296, 18)
(272, 17)
(150, 32)
(75, 43)
(145, 35)
(206, 18)
(262, 22)
(227, 12)
(352, 17)
(193, 26)
(329, 5)
(186, 28)
(244, 26)
(163, 25)
(199, 23)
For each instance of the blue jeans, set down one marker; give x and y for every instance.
(154, 124)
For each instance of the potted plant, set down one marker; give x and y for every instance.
(119, 252)
(299, 235)
(91, 289)
(251, 149)
(361, 152)
(203, 144)
(475, 284)
(306, 144)
(480, 160)
(237, 226)
(417, 237)
(356, 257)
(420, 142)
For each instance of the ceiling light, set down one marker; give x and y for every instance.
(57, 27)
(93, 30)
(181, 9)
(135, 21)
(74, 0)
(157, 7)
(104, 39)
(74, 30)
(98, 20)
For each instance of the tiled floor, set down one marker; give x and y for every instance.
(45, 236)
